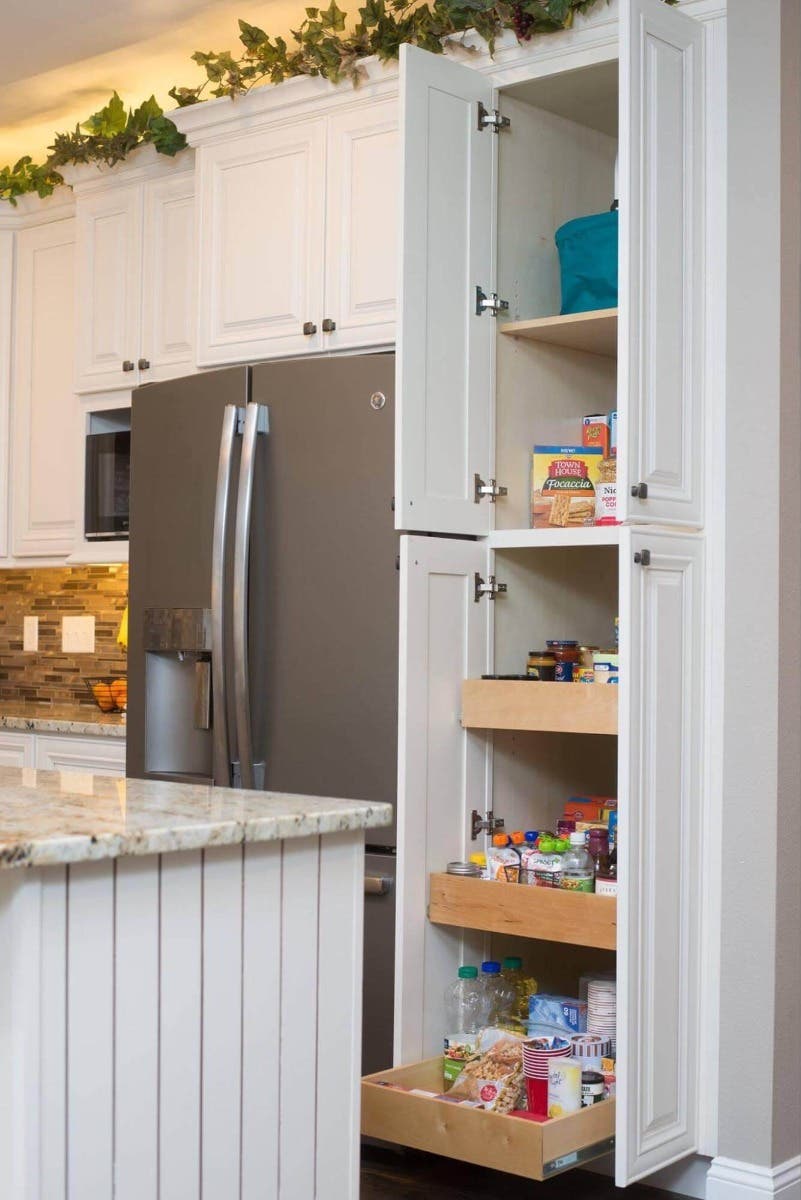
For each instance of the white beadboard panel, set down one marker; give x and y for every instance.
(53, 1035)
(339, 1012)
(445, 350)
(261, 1016)
(20, 929)
(221, 1098)
(179, 1017)
(136, 1028)
(297, 1032)
(443, 771)
(90, 1030)
(662, 190)
(661, 895)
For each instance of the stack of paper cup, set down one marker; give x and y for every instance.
(602, 1009)
(590, 1048)
(537, 1053)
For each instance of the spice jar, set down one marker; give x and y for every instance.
(541, 664)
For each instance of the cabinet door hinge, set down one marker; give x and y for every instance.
(491, 119)
(489, 303)
(492, 490)
(489, 823)
(491, 588)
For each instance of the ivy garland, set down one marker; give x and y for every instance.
(320, 46)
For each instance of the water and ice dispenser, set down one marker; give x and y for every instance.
(178, 703)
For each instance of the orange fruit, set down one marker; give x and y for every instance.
(103, 696)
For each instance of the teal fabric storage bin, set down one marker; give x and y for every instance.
(588, 261)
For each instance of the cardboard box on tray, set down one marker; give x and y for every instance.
(563, 481)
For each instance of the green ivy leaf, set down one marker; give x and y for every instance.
(165, 136)
(109, 120)
(251, 36)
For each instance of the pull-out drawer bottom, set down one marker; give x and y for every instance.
(521, 1147)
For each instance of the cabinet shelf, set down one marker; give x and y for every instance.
(520, 539)
(594, 332)
(531, 1149)
(548, 914)
(545, 707)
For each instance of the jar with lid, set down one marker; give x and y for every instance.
(567, 659)
(585, 656)
(541, 665)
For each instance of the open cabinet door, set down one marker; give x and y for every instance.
(661, 292)
(659, 864)
(445, 349)
(442, 773)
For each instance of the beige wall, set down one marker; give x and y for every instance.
(760, 978)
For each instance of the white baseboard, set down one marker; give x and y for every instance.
(729, 1179)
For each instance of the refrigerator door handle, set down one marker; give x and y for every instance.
(221, 742)
(256, 422)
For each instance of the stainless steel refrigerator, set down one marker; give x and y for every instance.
(263, 628)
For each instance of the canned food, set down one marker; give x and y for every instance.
(563, 672)
(584, 675)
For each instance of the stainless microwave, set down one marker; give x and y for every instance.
(108, 486)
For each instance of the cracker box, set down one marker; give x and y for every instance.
(613, 434)
(563, 480)
(595, 432)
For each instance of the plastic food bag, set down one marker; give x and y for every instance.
(493, 1081)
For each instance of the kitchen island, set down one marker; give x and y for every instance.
(181, 990)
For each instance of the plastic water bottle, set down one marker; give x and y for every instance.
(464, 1002)
(499, 997)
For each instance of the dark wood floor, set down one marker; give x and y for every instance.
(387, 1175)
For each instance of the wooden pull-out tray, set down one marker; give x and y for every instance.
(548, 707)
(550, 914)
(521, 1147)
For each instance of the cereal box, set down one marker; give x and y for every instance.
(563, 480)
(595, 432)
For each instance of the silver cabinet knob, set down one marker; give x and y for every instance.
(143, 364)
(128, 365)
(328, 325)
(309, 328)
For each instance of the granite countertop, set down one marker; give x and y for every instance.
(47, 817)
(77, 719)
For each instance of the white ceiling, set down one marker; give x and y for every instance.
(61, 59)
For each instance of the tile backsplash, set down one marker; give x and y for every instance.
(51, 593)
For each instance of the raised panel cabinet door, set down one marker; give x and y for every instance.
(169, 284)
(109, 288)
(44, 465)
(262, 220)
(361, 281)
(445, 349)
(662, 271)
(442, 772)
(16, 749)
(86, 756)
(660, 902)
(6, 307)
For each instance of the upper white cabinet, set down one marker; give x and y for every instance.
(44, 413)
(297, 196)
(445, 346)
(662, 264)
(6, 309)
(361, 252)
(261, 225)
(480, 209)
(136, 272)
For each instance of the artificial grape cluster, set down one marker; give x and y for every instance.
(521, 22)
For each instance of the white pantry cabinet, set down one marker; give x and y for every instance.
(16, 749)
(86, 755)
(136, 271)
(480, 208)
(6, 327)
(44, 409)
(297, 197)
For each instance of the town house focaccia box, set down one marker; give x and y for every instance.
(563, 481)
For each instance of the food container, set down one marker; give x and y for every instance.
(564, 672)
(565, 1086)
(586, 655)
(471, 869)
(564, 651)
(109, 692)
(583, 675)
(592, 1088)
(541, 665)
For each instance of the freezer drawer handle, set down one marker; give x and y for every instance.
(256, 422)
(377, 885)
(221, 742)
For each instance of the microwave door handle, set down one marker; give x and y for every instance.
(255, 423)
(221, 742)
